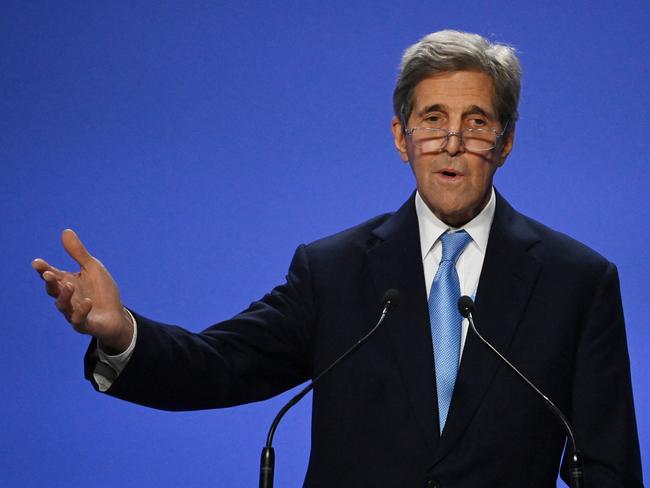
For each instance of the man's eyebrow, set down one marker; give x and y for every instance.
(436, 107)
(475, 109)
(471, 110)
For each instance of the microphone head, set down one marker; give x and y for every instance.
(465, 306)
(391, 296)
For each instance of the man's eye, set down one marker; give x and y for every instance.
(477, 122)
(433, 119)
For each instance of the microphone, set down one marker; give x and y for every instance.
(267, 463)
(466, 308)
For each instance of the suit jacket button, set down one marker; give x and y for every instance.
(432, 484)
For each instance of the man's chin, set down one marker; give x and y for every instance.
(456, 215)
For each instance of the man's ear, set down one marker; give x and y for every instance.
(400, 138)
(507, 145)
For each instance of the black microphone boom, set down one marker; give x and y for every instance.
(466, 309)
(267, 463)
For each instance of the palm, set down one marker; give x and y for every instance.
(94, 282)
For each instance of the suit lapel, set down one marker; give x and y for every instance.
(395, 261)
(507, 279)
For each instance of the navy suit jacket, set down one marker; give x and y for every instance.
(550, 304)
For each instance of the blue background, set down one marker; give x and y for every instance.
(194, 145)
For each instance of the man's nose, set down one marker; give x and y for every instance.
(454, 143)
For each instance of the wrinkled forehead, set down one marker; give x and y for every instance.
(455, 92)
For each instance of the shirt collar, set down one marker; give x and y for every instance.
(431, 227)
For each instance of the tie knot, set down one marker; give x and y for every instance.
(453, 244)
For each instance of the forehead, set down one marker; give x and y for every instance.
(455, 91)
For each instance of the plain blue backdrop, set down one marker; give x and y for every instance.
(193, 145)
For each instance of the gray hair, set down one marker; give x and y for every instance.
(451, 50)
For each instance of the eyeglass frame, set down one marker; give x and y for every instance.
(460, 134)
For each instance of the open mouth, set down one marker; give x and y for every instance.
(449, 173)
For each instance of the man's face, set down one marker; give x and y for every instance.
(453, 182)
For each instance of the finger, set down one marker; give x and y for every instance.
(41, 266)
(75, 248)
(63, 301)
(52, 284)
(80, 313)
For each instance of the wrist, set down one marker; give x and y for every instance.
(119, 342)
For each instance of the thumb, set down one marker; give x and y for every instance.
(75, 248)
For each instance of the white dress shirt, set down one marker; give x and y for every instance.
(468, 266)
(109, 367)
(470, 262)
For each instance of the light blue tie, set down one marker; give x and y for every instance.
(446, 319)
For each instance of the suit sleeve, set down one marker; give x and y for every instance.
(602, 410)
(257, 354)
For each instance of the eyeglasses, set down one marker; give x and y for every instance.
(474, 140)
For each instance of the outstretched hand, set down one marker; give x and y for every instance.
(89, 299)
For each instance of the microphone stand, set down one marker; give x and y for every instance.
(576, 473)
(267, 462)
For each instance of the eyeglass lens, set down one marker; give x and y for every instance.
(432, 140)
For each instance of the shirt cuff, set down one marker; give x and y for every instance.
(109, 367)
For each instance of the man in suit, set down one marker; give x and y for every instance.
(423, 403)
